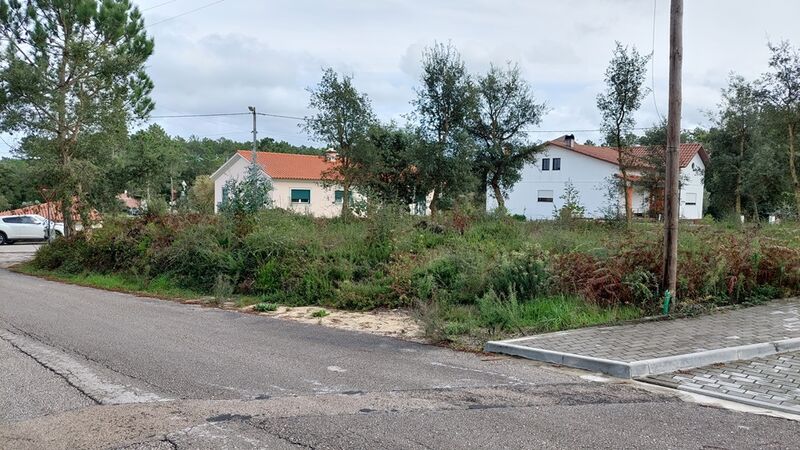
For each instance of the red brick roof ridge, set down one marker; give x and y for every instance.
(687, 151)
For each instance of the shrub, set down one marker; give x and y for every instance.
(522, 272)
(320, 313)
(223, 288)
(501, 275)
(265, 307)
(195, 259)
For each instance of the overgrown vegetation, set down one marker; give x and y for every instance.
(468, 276)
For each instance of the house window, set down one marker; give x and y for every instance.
(691, 199)
(556, 163)
(301, 196)
(544, 196)
(338, 196)
(546, 164)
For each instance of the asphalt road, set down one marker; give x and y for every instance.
(16, 253)
(82, 368)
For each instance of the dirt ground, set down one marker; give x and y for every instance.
(394, 323)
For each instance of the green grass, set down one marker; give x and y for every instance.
(495, 316)
(320, 313)
(265, 307)
(158, 287)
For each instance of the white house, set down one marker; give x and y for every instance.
(296, 180)
(589, 168)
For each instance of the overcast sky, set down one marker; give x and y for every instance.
(236, 53)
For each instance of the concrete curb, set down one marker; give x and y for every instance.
(637, 369)
(744, 400)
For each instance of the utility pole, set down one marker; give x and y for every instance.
(671, 189)
(255, 139)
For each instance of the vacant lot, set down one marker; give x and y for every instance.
(468, 277)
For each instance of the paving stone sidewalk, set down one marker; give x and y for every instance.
(769, 382)
(654, 347)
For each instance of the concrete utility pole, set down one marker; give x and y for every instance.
(671, 189)
(255, 139)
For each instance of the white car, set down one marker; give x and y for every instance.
(28, 227)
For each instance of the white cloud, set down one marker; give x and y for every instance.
(242, 52)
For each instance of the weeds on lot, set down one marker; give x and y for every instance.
(465, 274)
(265, 307)
(320, 313)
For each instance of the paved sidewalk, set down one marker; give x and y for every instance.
(769, 382)
(648, 348)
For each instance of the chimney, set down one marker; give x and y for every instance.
(569, 139)
(331, 155)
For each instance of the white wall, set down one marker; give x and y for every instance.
(236, 171)
(692, 187)
(322, 202)
(587, 174)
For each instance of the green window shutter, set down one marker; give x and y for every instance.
(301, 196)
(338, 196)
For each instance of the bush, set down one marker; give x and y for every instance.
(320, 313)
(265, 307)
(463, 271)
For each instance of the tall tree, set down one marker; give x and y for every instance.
(343, 116)
(653, 178)
(201, 195)
(782, 94)
(18, 187)
(504, 107)
(390, 159)
(72, 68)
(738, 116)
(443, 103)
(153, 162)
(624, 80)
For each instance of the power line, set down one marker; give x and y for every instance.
(575, 131)
(185, 13)
(281, 116)
(653, 62)
(180, 116)
(6, 142)
(159, 5)
(284, 116)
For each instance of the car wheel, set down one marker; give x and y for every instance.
(3, 239)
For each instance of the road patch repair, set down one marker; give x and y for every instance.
(749, 355)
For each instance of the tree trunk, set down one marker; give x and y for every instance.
(435, 202)
(739, 177)
(628, 199)
(346, 212)
(66, 213)
(793, 168)
(501, 202)
(755, 211)
(480, 195)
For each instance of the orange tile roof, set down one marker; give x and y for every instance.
(290, 165)
(55, 212)
(609, 154)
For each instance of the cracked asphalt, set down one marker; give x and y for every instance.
(83, 368)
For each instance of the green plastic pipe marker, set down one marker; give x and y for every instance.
(667, 297)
